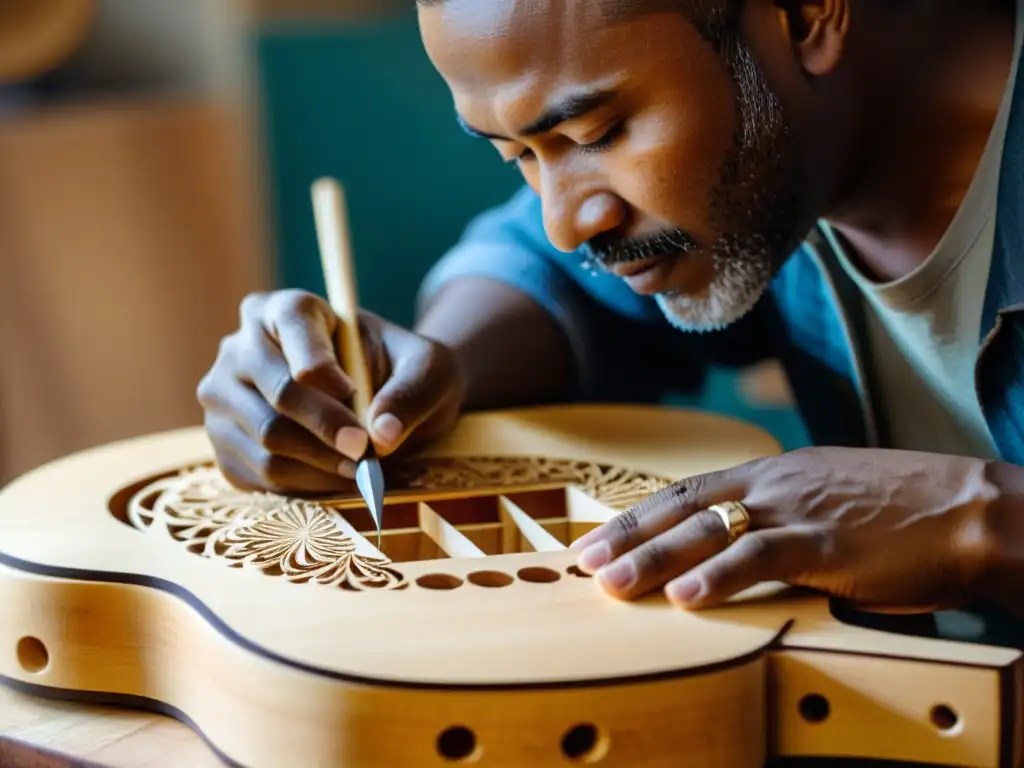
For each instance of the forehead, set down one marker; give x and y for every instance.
(511, 52)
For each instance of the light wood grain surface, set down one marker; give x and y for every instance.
(277, 671)
(38, 733)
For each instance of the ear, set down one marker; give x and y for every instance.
(817, 30)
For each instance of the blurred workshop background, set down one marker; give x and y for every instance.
(155, 162)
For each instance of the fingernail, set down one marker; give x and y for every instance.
(595, 556)
(351, 442)
(583, 542)
(347, 469)
(619, 576)
(684, 591)
(388, 429)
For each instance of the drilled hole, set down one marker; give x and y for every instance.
(538, 575)
(458, 744)
(32, 655)
(814, 708)
(944, 718)
(583, 743)
(439, 581)
(490, 579)
(574, 570)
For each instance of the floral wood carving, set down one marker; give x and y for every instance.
(294, 538)
(301, 539)
(616, 487)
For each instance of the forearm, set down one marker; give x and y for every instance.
(512, 352)
(1002, 580)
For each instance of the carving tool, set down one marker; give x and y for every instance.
(339, 278)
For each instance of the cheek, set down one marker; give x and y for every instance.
(671, 161)
(531, 175)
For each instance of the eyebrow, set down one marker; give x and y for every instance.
(571, 108)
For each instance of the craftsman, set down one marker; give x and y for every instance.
(836, 184)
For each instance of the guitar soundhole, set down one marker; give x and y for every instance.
(945, 719)
(458, 744)
(538, 575)
(33, 655)
(490, 579)
(583, 743)
(814, 708)
(439, 581)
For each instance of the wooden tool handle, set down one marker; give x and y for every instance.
(332, 230)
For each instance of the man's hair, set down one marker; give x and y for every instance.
(712, 18)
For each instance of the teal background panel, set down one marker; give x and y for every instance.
(362, 102)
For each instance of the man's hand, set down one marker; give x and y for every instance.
(274, 400)
(885, 529)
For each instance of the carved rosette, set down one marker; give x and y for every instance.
(301, 539)
(294, 538)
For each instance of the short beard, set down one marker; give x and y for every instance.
(755, 207)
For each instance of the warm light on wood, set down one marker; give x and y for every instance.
(470, 637)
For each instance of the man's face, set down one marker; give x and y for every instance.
(662, 157)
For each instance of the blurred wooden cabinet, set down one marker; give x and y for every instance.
(128, 235)
(132, 223)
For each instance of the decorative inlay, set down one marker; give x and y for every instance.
(294, 538)
(616, 487)
(304, 541)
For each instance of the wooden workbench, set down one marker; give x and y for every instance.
(38, 733)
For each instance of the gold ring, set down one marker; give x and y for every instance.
(734, 516)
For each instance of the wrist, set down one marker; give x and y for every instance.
(1000, 572)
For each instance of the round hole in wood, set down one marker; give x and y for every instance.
(814, 708)
(490, 579)
(584, 743)
(439, 581)
(574, 570)
(458, 743)
(538, 575)
(945, 718)
(32, 655)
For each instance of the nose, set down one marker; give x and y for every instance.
(571, 220)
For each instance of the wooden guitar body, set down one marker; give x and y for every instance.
(274, 627)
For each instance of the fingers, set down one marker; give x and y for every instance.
(424, 379)
(303, 327)
(657, 514)
(317, 412)
(664, 557)
(275, 398)
(249, 466)
(775, 554)
(276, 434)
(439, 423)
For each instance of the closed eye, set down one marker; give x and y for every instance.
(524, 155)
(607, 141)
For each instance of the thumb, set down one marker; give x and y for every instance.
(304, 327)
(420, 379)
